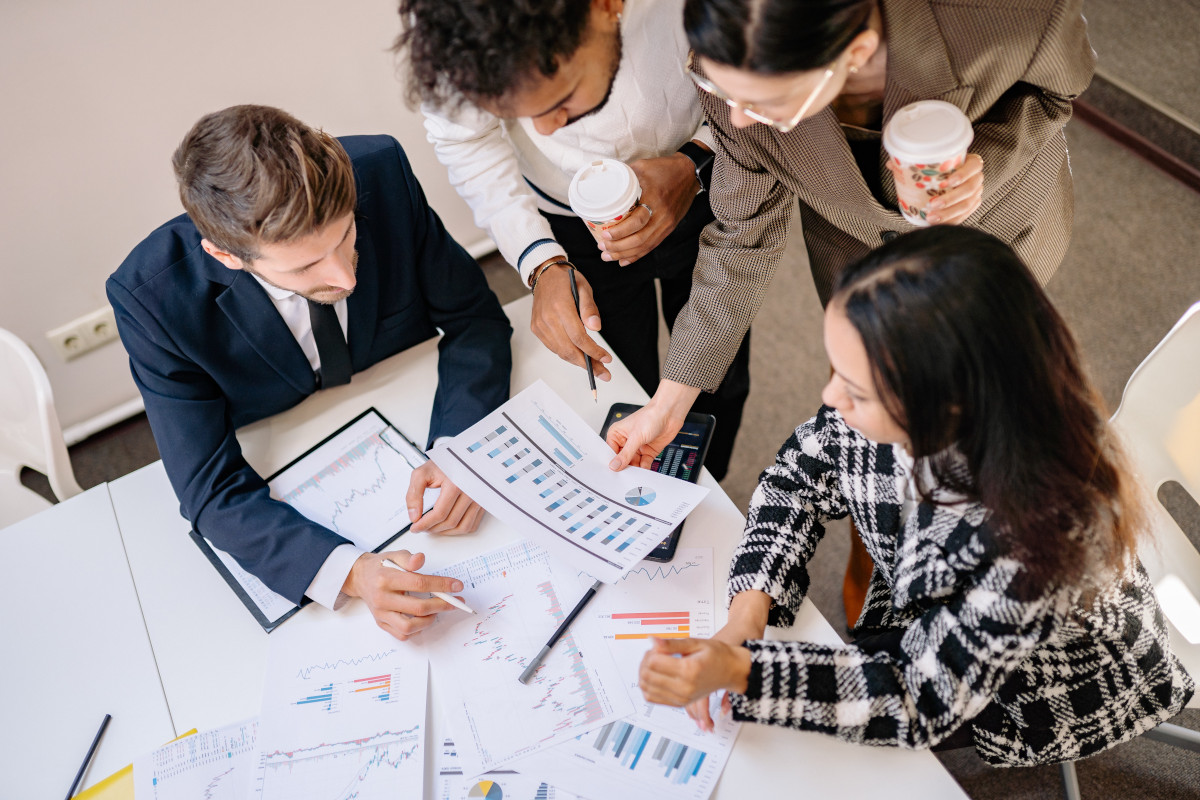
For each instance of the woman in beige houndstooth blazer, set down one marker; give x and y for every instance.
(797, 92)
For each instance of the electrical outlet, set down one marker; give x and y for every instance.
(84, 334)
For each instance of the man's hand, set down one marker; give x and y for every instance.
(676, 672)
(452, 513)
(384, 590)
(668, 188)
(560, 327)
(964, 192)
(642, 435)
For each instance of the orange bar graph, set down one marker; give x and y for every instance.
(651, 636)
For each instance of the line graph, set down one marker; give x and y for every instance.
(343, 714)
(213, 765)
(355, 482)
(657, 751)
(520, 593)
(378, 766)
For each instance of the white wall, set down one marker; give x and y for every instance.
(95, 97)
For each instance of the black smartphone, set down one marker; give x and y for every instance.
(682, 459)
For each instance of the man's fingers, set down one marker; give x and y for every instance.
(421, 479)
(454, 516)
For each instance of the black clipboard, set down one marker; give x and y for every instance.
(210, 552)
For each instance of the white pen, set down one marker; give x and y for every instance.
(454, 601)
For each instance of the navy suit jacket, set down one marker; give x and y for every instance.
(210, 353)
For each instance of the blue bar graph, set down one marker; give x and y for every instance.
(561, 439)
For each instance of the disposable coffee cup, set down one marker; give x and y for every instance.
(604, 192)
(928, 140)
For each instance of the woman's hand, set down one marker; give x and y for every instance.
(668, 188)
(963, 196)
(747, 621)
(676, 672)
(642, 435)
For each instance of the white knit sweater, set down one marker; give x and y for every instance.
(652, 110)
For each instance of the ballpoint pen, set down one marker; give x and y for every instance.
(566, 623)
(454, 601)
(586, 358)
(88, 758)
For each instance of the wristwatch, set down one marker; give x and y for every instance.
(702, 160)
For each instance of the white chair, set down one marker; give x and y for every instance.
(30, 435)
(1159, 422)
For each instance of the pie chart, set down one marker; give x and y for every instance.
(640, 496)
(490, 790)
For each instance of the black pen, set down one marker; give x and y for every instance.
(88, 758)
(566, 623)
(586, 358)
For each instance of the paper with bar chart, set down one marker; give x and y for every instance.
(658, 751)
(521, 594)
(501, 784)
(343, 713)
(213, 765)
(538, 467)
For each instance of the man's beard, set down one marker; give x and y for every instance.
(616, 66)
(327, 296)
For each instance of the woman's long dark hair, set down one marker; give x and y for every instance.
(773, 36)
(967, 350)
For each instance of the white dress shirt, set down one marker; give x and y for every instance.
(326, 586)
(495, 163)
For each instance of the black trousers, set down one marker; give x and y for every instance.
(629, 314)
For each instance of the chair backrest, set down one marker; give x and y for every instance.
(30, 434)
(1159, 419)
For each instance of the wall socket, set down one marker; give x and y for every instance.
(84, 334)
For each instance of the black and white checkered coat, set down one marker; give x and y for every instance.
(1041, 675)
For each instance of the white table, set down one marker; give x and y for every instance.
(211, 653)
(74, 649)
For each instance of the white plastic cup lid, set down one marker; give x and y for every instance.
(603, 190)
(927, 132)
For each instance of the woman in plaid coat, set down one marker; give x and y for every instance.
(1007, 609)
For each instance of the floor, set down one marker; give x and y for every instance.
(1131, 272)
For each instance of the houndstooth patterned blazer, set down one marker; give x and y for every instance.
(1012, 66)
(1039, 675)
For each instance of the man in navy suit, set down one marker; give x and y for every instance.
(301, 260)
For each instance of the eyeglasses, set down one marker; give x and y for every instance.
(747, 108)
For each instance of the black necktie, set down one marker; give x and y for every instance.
(331, 345)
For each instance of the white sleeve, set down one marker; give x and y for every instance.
(483, 169)
(326, 586)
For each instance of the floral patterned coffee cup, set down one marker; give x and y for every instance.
(926, 141)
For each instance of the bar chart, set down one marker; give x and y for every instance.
(502, 784)
(534, 464)
(343, 714)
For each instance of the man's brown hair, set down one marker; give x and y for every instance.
(251, 175)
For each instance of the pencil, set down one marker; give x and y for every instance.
(88, 758)
(566, 623)
(454, 601)
(586, 358)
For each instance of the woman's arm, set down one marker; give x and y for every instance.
(947, 668)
